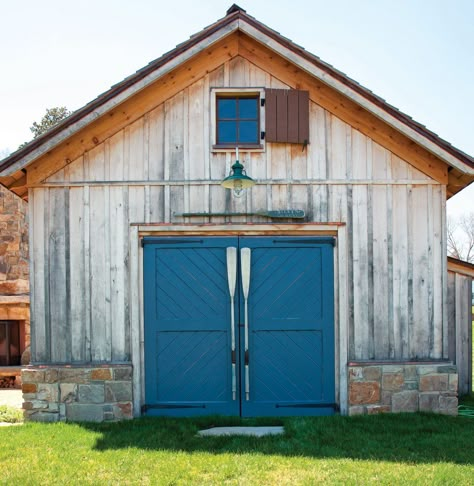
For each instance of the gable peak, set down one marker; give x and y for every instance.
(235, 8)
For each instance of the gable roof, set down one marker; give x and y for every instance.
(460, 165)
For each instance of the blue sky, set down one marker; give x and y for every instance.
(417, 54)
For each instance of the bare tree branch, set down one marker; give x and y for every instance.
(460, 237)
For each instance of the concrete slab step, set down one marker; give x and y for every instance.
(252, 431)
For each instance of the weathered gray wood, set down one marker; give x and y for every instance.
(77, 274)
(156, 144)
(118, 258)
(134, 317)
(438, 269)
(444, 275)
(451, 304)
(87, 274)
(401, 310)
(136, 165)
(359, 330)
(342, 323)
(58, 238)
(100, 335)
(463, 333)
(41, 310)
(420, 335)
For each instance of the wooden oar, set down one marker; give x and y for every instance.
(245, 269)
(231, 278)
(277, 214)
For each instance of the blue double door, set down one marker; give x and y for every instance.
(239, 326)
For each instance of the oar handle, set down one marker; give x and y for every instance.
(245, 257)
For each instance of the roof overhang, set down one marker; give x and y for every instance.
(460, 266)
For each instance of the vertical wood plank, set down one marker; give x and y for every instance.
(136, 209)
(358, 338)
(96, 164)
(77, 274)
(174, 137)
(118, 267)
(157, 204)
(74, 172)
(87, 275)
(380, 273)
(359, 332)
(400, 272)
(137, 161)
(342, 304)
(116, 157)
(134, 316)
(451, 324)
(156, 144)
(39, 303)
(420, 338)
(444, 273)
(437, 277)
(463, 326)
(100, 343)
(32, 272)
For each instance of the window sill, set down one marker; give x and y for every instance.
(242, 148)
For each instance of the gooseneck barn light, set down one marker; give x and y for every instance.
(237, 179)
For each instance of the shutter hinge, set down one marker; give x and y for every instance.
(262, 135)
(262, 101)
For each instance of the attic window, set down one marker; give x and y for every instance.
(237, 120)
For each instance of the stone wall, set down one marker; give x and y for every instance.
(404, 387)
(77, 393)
(13, 244)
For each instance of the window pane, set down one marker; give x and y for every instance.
(226, 108)
(226, 132)
(248, 132)
(248, 108)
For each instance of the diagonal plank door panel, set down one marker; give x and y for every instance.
(187, 331)
(291, 327)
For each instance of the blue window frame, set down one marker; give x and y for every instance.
(237, 120)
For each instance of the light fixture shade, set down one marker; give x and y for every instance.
(237, 180)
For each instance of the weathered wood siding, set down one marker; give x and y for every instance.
(460, 327)
(162, 164)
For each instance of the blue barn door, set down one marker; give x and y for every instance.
(290, 327)
(283, 337)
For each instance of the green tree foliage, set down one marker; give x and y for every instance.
(52, 117)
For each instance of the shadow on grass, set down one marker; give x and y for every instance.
(409, 438)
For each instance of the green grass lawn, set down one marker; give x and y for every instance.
(388, 449)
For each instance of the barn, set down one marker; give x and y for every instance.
(239, 228)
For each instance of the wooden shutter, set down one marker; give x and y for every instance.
(287, 116)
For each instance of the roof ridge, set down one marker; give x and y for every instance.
(235, 8)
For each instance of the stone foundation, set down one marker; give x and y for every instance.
(403, 387)
(77, 393)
